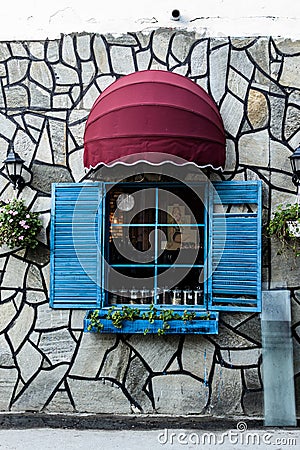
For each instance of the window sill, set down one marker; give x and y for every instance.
(204, 323)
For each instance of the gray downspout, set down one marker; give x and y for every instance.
(277, 365)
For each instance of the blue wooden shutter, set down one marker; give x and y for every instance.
(235, 247)
(74, 245)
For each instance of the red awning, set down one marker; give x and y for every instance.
(154, 116)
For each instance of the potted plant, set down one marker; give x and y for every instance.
(19, 226)
(285, 226)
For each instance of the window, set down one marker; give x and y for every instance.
(155, 244)
(193, 247)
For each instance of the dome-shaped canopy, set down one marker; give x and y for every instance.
(147, 115)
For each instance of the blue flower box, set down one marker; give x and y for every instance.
(202, 324)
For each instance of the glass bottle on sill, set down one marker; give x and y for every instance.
(187, 296)
(144, 295)
(158, 295)
(123, 295)
(133, 296)
(198, 295)
(165, 296)
(176, 296)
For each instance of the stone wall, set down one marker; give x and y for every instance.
(47, 89)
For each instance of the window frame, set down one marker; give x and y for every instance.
(104, 306)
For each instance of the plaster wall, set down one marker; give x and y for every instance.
(47, 88)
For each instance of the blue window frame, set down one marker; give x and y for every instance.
(153, 256)
(218, 267)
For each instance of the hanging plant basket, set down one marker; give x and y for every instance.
(19, 226)
(285, 226)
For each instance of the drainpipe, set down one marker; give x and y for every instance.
(277, 353)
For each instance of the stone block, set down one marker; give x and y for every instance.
(34, 396)
(181, 45)
(179, 394)
(8, 127)
(77, 317)
(116, 362)
(156, 351)
(43, 177)
(21, 326)
(89, 97)
(257, 109)
(65, 75)
(227, 338)
(29, 361)
(4, 52)
(98, 397)
(67, 51)
(122, 60)
(16, 96)
(83, 46)
(88, 72)
(241, 358)
(198, 356)
(75, 164)
(143, 59)
(8, 379)
(285, 267)
(232, 112)
(6, 357)
(52, 51)
(60, 403)
(8, 312)
(253, 403)
(290, 72)
(252, 378)
(199, 59)
(237, 84)
(136, 378)
(17, 70)
(226, 391)
(58, 346)
(90, 354)
(41, 74)
(254, 149)
(48, 318)
(240, 61)
(218, 64)
(161, 42)
(100, 54)
(36, 49)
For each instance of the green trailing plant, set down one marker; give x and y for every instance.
(118, 316)
(19, 226)
(279, 228)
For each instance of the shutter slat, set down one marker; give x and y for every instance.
(74, 247)
(235, 281)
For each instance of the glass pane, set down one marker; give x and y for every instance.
(181, 205)
(181, 286)
(130, 285)
(180, 246)
(131, 245)
(131, 205)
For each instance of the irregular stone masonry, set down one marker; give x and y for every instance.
(47, 89)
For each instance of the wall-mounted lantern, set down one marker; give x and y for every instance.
(295, 163)
(14, 165)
